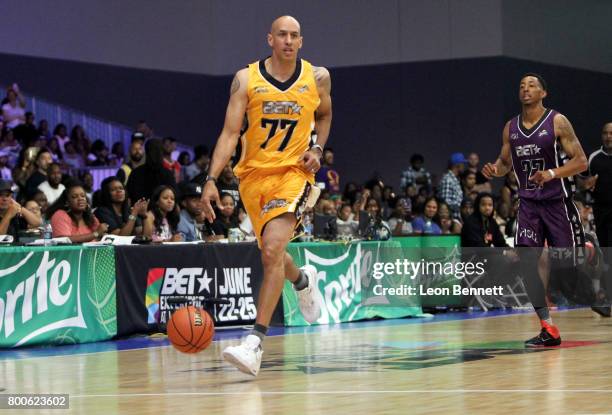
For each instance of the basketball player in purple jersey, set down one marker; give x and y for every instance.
(542, 148)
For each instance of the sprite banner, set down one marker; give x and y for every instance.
(342, 271)
(57, 295)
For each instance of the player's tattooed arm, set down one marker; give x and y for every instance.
(323, 78)
(571, 146)
(323, 115)
(235, 85)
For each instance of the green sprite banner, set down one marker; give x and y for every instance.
(344, 268)
(57, 295)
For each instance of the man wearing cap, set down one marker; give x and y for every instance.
(191, 208)
(449, 189)
(10, 211)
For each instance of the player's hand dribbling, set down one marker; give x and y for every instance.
(210, 194)
(489, 170)
(311, 160)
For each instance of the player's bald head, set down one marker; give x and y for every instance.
(288, 23)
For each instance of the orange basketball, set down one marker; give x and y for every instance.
(190, 329)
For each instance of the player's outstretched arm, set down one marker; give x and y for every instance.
(571, 146)
(226, 143)
(503, 164)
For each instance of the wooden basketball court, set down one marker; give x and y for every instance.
(447, 364)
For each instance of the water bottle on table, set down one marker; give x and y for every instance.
(47, 233)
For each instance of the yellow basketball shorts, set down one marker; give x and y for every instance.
(267, 195)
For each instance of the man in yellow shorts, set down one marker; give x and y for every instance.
(285, 98)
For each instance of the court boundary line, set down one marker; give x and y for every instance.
(340, 392)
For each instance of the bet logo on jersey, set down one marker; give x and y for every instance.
(527, 150)
(280, 107)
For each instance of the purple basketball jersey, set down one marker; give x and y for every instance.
(536, 149)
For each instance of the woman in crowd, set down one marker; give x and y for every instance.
(117, 154)
(54, 149)
(227, 216)
(10, 145)
(428, 223)
(163, 216)
(72, 159)
(43, 129)
(13, 110)
(33, 207)
(60, 132)
(480, 228)
(71, 216)
(80, 140)
(115, 209)
(447, 223)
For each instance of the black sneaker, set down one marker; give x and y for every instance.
(602, 305)
(544, 339)
(602, 310)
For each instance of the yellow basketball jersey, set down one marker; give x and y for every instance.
(280, 118)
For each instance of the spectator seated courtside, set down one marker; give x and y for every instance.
(71, 216)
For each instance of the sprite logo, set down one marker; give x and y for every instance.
(341, 288)
(344, 278)
(39, 294)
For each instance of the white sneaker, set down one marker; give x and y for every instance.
(309, 296)
(246, 356)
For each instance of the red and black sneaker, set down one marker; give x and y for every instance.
(549, 336)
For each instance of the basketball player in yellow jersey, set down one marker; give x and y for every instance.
(284, 99)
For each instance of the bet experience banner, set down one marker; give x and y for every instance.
(342, 271)
(57, 295)
(148, 276)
